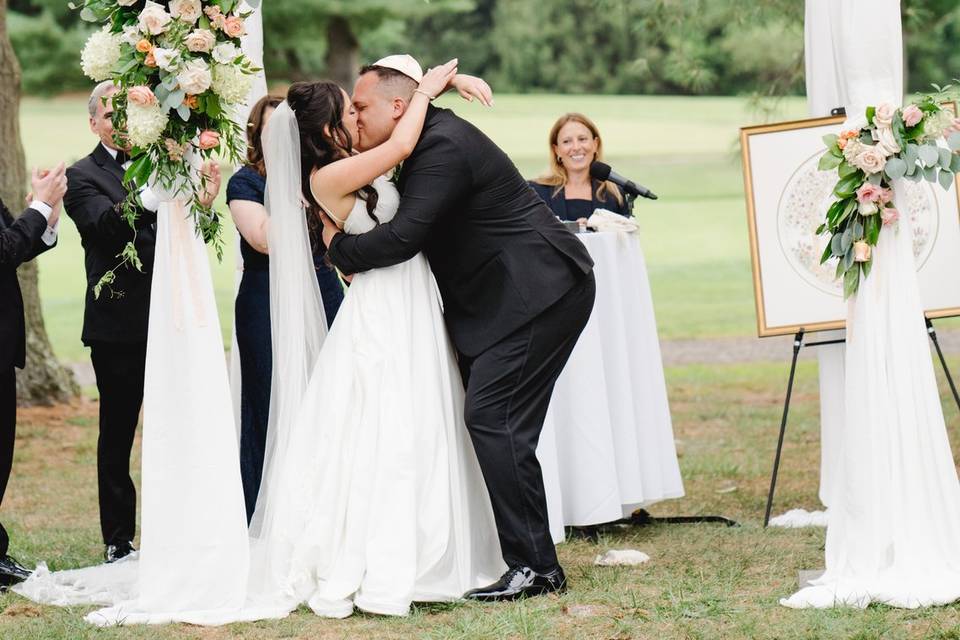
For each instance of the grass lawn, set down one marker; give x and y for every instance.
(703, 581)
(684, 149)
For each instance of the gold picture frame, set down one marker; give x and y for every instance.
(767, 326)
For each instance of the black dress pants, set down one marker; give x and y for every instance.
(8, 429)
(508, 392)
(120, 369)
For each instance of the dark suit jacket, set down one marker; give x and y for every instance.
(94, 192)
(558, 202)
(20, 241)
(499, 255)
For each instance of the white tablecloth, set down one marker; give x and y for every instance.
(607, 444)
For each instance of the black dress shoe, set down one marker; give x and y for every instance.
(11, 572)
(114, 552)
(520, 582)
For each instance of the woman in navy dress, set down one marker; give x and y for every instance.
(567, 187)
(245, 197)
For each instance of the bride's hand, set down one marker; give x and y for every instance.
(436, 80)
(470, 87)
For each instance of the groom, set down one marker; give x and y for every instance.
(517, 290)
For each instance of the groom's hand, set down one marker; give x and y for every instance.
(330, 229)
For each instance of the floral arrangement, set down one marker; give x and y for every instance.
(891, 144)
(180, 73)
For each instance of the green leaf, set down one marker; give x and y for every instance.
(846, 169)
(846, 187)
(929, 155)
(830, 139)
(867, 266)
(857, 231)
(872, 229)
(836, 244)
(827, 253)
(848, 259)
(821, 229)
(828, 161)
(875, 178)
(846, 240)
(851, 281)
(871, 111)
(184, 112)
(899, 129)
(946, 178)
(895, 168)
(930, 174)
(955, 164)
(945, 157)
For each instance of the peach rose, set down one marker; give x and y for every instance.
(889, 215)
(190, 102)
(234, 27)
(883, 115)
(150, 60)
(209, 139)
(912, 115)
(144, 46)
(861, 251)
(186, 10)
(200, 41)
(153, 19)
(141, 96)
(212, 11)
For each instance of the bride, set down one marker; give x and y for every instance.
(372, 495)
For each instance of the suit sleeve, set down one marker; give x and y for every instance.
(97, 218)
(19, 240)
(436, 177)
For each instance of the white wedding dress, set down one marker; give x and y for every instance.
(376, 498)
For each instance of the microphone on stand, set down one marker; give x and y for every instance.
(602, 171)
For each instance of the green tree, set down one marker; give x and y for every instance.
(305, 38)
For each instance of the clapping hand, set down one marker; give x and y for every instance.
(210, 182)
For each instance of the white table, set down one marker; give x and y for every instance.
(607, 445)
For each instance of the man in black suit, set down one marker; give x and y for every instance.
(115, 323)
(517, 289)
(21, 239)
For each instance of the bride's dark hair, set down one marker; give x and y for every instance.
(318, 107)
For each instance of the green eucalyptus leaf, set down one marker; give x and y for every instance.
(895, 168)
(929, 155)
(930, 174)
(946, 178)
(851, 281)
(828, 161)
(945, 157)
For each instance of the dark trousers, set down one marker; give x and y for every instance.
(8, 429)
(119, 368)
(252, 318)
(508, 392)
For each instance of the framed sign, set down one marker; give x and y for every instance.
(787, 198)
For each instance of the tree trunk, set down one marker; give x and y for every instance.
(44, 380)
(343, 52)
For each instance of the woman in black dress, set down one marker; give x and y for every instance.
(245, 197)
(567, 187)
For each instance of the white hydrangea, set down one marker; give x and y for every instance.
(230, 83)
(100, 55)
(146, 124)
(226, 52)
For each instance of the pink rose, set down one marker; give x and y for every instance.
(200, 41)
(889, 215)
(234, 27)
(141, 96)
(868, 192)
(870, 159)
(209, 139)
(912, 115)
(886, 196)
(861, 251)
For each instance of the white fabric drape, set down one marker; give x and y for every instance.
(838, 73)
(894, 496)
(193, 561)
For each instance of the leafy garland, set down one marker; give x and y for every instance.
(892, 144)
(180, 75)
